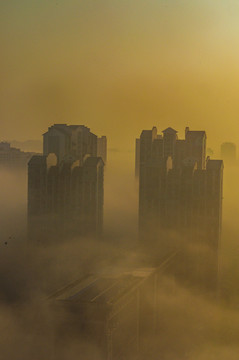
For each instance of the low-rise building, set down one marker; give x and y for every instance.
(13, 158)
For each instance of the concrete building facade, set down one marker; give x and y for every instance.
(66, 185)
(180, 193)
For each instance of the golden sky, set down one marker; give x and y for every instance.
(119, 66)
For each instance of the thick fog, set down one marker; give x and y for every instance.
(117, 67)
(191, 324)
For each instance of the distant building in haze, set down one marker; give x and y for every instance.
(66, 185)
(28, 145)
(210, 152)
(228, 152)
(180, 192)
(137, 157)
(13, 158)
(69, 142)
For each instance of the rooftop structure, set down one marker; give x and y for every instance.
(73, 142)
(112, 311)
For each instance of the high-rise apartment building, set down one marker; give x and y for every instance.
(65, 185)
(69, 142)
(180, 192)
(228, 152)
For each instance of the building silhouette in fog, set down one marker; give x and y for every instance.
(228, 152)
(73, 142)
(137, 157)
(66, 185)
(180, 193)
(113, 311)
(13, 158)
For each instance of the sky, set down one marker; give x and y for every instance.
(119, 67)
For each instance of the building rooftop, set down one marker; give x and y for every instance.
(110, 286)
(169, 130)
(37, 159)
(66, 129)
(147, 133)
(228, 145)
(6, 147)
(195, 133)
(92, 160)
(214, 164)
(104, 288)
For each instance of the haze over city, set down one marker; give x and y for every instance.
(123, 65)
(110, 247)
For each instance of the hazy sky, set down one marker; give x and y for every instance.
(119, 66)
